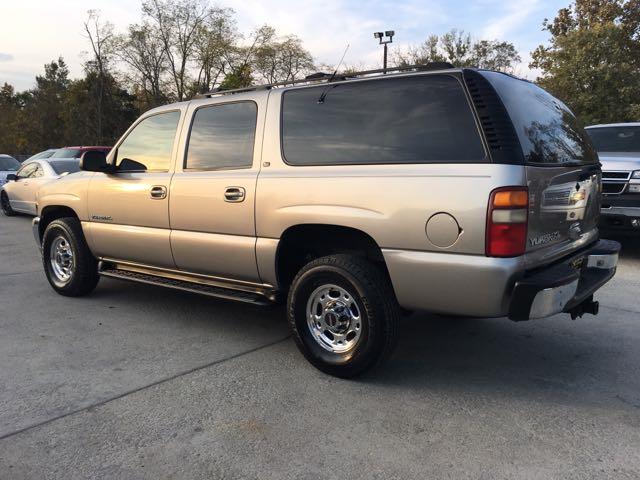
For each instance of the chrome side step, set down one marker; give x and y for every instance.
(183, 282)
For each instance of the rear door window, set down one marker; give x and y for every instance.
(548, 132)
(222, 137)
(421, 119)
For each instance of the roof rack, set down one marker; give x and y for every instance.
(320, 77)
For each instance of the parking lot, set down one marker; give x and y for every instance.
(136, 381)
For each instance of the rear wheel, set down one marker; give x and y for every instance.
(6, 205)
(71, 268)
(343, 314)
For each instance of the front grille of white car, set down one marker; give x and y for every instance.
(614, 181)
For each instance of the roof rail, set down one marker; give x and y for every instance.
(321, 77)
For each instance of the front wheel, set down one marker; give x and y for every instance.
(6, 205)
(343, 314)
(71, 268)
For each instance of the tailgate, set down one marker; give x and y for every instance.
(562, 169)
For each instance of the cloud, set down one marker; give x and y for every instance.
(5, 57)
(516, 14)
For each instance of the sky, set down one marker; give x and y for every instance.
(35, 32)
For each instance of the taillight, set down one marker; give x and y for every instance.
(507, 222)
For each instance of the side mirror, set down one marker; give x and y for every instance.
(94, 161)
(12, 177)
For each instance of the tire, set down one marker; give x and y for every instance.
(5, 205)
(321, 314)
(71, 268)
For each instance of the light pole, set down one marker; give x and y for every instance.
(380, 36)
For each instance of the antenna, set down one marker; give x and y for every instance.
(333, 75)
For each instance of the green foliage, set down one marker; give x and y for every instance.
(458, 48)
(592, 61)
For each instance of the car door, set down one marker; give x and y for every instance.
(19, 191)
(211, 208)
(36, 179)
(129, 208)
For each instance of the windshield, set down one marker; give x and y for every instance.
(64, 166)
(9, 164)
(616, 139)
(549, 133)
(67, 153)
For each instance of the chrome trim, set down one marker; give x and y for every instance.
(260, 288)
(624, 211)
(602, 261)
(550, 301)
(616, 179)
(35, 227)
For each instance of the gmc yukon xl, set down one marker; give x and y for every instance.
(458, 191)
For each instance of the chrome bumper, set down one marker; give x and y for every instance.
(566, 285)
(35, 227)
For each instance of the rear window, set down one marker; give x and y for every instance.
(9, 164)
(615, 139)
(548, 132)
(60, 166)
(67, 153)
(423, 119)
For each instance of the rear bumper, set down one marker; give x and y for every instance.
(566, 285)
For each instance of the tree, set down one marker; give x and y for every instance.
(282, 60)
(143, 51)
(458, 48)
(101, 37)
(178, 23)
(592, 61)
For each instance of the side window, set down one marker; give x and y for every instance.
(149, 145)
(419, 119)
(27, 171)
(38, 172)
(222, 137)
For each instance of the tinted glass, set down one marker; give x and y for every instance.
(67, 153)
(148, 146)
(404, 120)
(549, 133)
(62, 166)
(615, 139)
(9, 164)
(222, 136)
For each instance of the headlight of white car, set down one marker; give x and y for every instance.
(635, 174)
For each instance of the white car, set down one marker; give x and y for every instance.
(8, 165)
(18, 194)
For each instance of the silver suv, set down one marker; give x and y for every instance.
(618, 147)
(457, 191)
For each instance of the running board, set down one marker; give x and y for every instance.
(184, 283)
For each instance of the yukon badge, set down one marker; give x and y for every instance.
(546, 238)
(102, 218)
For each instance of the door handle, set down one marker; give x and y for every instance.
(234, 194)
(158, 192)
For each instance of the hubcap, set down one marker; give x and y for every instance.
(61, 258)
(334, 318)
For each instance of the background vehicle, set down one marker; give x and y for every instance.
(41, 155)
(19, 193)
(8, 165)
(618, 147)
(76, 152)
(450, 190)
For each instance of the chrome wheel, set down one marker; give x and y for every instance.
(61, 258)
(334, 318)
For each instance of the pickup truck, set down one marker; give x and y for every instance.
(351, 198)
